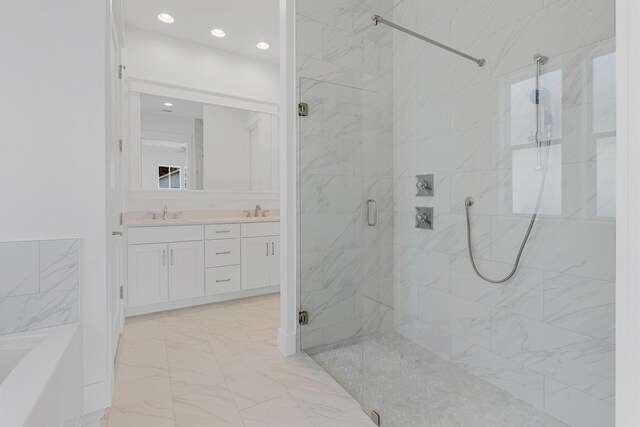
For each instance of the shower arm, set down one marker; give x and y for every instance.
(377, 19)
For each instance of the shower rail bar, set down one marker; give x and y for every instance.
(377, 19)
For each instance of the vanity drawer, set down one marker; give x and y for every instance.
(261, 229)
(166, 234)
(221, 231)
(222, 280)
(219, 253)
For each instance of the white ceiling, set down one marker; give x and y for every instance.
(246, 22)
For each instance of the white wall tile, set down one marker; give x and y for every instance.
(579, 361)
(35, 311)
(580, 304)
(59, 269)
(575, 407)
(20, 269)
(510, 376)
(40, 286)
(522, 295)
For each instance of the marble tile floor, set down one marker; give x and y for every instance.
(217, 365)
(410, 386)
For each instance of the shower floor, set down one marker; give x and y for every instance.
(410, 386)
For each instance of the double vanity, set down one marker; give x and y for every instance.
(181, 259)
(191, 148)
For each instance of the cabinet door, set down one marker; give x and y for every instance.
(147, 275)
(186, 270)
(255, 262)
(274, 261)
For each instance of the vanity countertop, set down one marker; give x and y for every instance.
(154, 219)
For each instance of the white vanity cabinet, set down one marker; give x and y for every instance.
(148, 272)
(175, 266)
(222, 251)
(162, 267)
(186, 270)
(260, 258)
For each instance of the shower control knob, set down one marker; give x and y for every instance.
(424, 218)
(424, 184)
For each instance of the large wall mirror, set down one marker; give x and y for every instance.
(183, 145)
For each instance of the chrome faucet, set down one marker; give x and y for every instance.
(258, 209)
(165, 212)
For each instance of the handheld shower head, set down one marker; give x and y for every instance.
(542, 97)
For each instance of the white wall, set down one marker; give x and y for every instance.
(227, 149)
(53, 147)
(161, 59)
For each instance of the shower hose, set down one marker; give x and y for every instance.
(468, 202)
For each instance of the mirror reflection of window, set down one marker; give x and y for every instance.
(604, 93)
(169, 177)
(164, 154)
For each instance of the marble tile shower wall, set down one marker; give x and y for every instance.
(547, 336)
(345, 151)
(39, 284)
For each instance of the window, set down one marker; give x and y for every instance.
(604, 130)
(528, 160)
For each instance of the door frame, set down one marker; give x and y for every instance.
(288, 340)
(627, 213)
(115, 235)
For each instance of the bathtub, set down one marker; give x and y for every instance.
(41, 378)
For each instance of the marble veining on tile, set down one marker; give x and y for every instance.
(40, 287)
(217, 365)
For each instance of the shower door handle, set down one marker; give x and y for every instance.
(372, 214)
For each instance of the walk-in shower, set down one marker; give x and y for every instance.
(456, 208)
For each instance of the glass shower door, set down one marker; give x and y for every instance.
(331, 212)
(346, 228)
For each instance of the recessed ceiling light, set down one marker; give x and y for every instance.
(166, 18)
(263, 45)
(217, 32)
(168, 104)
